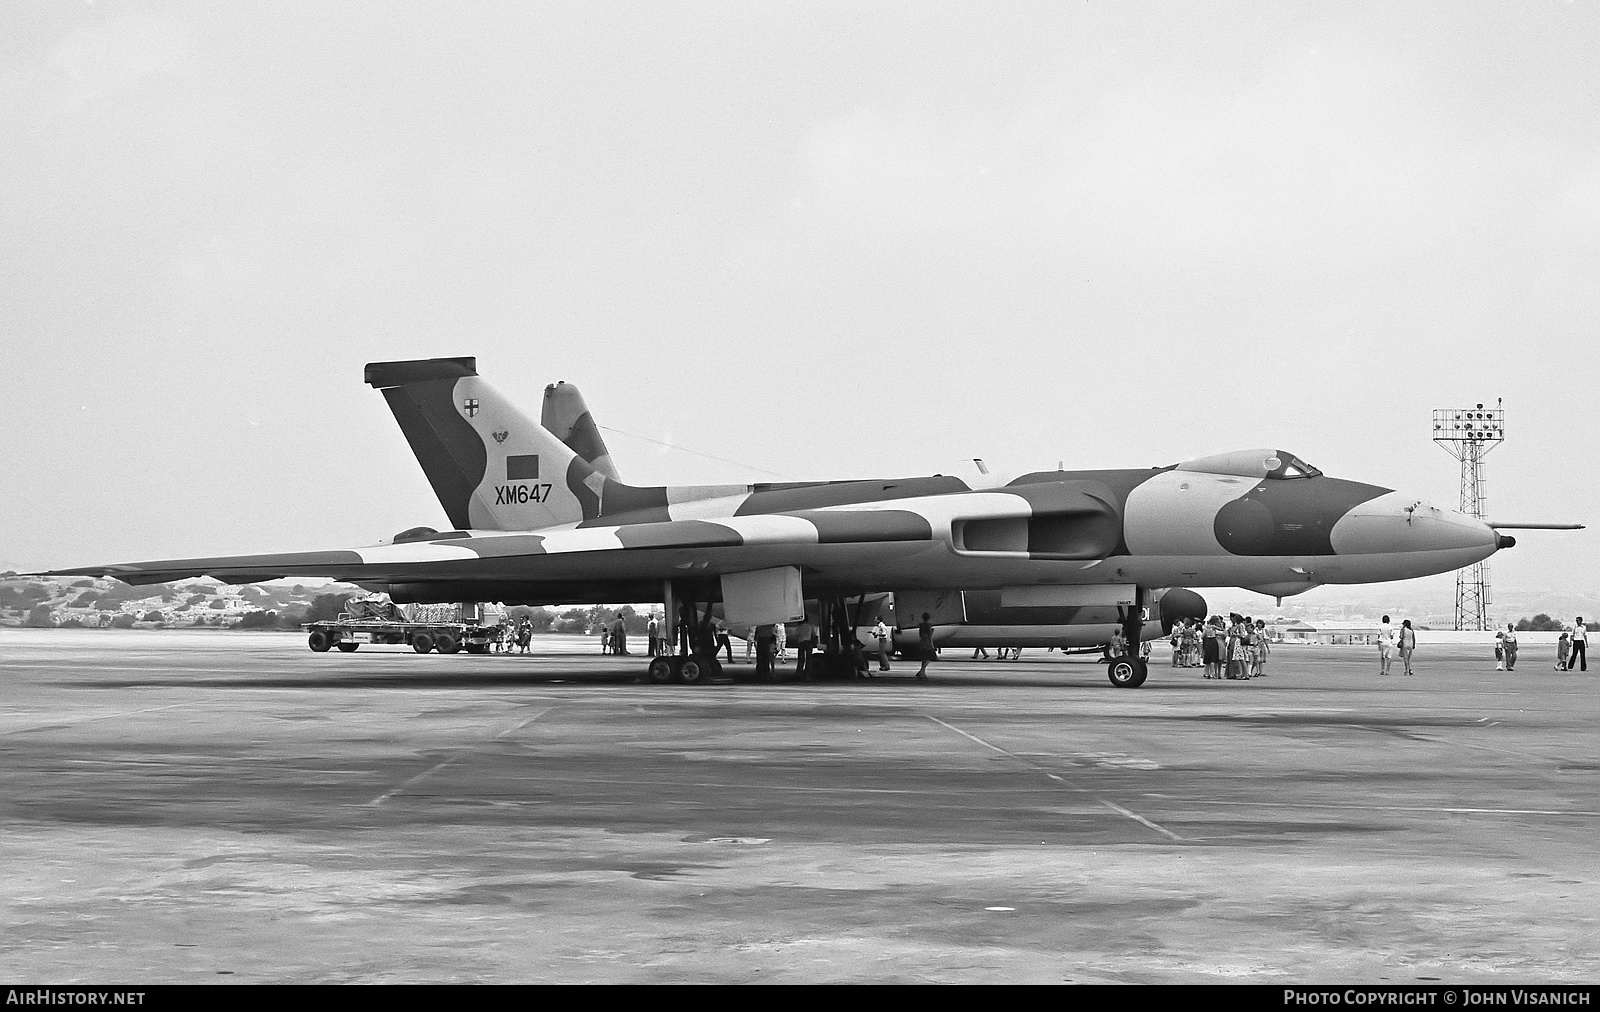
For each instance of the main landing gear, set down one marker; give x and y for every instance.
(1128, 671)
(693, 660)
(693, 644)
(840, 655)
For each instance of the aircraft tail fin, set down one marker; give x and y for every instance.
(569, 420)
(492, 467)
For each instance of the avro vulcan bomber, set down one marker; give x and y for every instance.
(536, 522)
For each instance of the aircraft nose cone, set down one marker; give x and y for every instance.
(1507, 541)
(1397, 522)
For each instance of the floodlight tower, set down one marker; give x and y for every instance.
(1469, 434)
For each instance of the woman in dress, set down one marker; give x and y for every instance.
(925, 645)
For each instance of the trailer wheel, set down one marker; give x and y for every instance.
(422, 643)
(318, 641)
(447, 643)
(347, 648)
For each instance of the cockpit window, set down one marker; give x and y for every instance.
(1274, 464)
(1287, 465)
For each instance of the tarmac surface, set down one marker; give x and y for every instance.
(188, 807)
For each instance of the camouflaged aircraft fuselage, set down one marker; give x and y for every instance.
(537, 523)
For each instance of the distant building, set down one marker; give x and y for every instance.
(1332, 631)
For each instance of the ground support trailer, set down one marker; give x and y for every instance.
(448, 629)
(447, 638)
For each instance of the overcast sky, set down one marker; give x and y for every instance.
(821, 240)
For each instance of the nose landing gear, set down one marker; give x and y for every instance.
(1128, 671)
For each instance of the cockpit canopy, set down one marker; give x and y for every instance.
(1279, 465)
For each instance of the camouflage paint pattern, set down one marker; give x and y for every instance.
(537, 521)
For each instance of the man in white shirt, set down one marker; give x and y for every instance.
(1580, 646)
(880, 632)
(1385, 645)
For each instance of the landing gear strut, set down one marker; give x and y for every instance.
(693, 644)
(841, 654)
(1129, 670)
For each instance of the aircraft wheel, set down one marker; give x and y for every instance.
(447, 644)
(660, 671)
(319, 641)
(422, 643)
(1127, 672)
(693, 670)
(347, 648)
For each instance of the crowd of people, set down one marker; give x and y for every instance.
(1572, 648)
(515, 635)
(1233, 649)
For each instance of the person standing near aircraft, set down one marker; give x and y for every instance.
(880, 632)
(925, 643)
(653, 633)
(1263, 647)
(1407, 642)
(1232, 651)
(1118, 645)
(858, 658)
(720, 639)
(1563, 649)
(1385, 645)
(1508, 643)
(1580, 646)
(781, 632)
(766, 641)
(804, 638)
